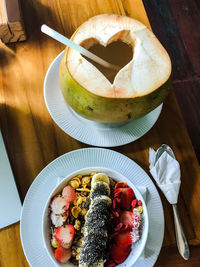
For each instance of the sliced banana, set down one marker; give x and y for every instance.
(100, 188)
(100, 177)
(101, 198)
(98, 264)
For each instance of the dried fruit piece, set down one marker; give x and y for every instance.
(68, 193)
(64, 235)
(134, 203)
(75, 211)
(63, 254)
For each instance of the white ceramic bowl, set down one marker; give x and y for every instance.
(137, 248)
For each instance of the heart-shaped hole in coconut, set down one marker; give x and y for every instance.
(117, 53)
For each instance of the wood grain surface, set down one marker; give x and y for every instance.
(181, 36)
(33, 140)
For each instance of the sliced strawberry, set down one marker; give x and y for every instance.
(59, 205)
(118, 227)
(64, 235)
(59, 210)
(115, 213)
(127, 218)
(115, 203)
(139, 203)
(131, 219)
(59, 219)
(126, 196)
(69, 193)
(124, 238)
(63, 254)
(121, 185)
(110, 263)
(119, 254)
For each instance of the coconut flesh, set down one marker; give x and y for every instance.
(106, 95)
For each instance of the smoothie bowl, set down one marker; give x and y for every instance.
(95, 217)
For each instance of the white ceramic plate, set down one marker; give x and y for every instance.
(86, 131)
(137, 249)
(45, 182)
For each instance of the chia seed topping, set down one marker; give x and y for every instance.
(94, 244)
(99, 191)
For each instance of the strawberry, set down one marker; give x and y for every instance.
(59, 210)
(119, 254)
(110, 263)
(134, 203)
(121, 185)
(69, 193)
(124, 238)
(64, 235)
(118, 227)
(115, 203)
(127, 218)
(63, 254)
(59, 205)
(59, 219)
(126, 196)
(139, 203)
(130, 219)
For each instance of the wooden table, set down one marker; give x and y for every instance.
(33, 140)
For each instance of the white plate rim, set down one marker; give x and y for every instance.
(80, 128)
(154, 242)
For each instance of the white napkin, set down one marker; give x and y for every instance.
(166, 173)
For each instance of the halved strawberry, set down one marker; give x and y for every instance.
(59, 219)
(64, 235)
(115, 203)
(124, 238)
(63, 254)
(126, 196)
(110, 263)
(121, 185)
(127, 218)
(59, 210)
(119, 254)
(59, 205)
(69, 193)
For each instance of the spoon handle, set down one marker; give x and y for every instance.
(180, 235)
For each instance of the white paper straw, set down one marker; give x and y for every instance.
(64, 40)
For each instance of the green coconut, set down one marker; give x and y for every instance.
(102, 95)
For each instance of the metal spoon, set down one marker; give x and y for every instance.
(181, 240)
